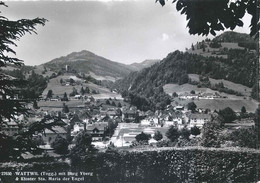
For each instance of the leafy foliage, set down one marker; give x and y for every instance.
(206, 17)
(11, 31)
(210, 133)
(191, 106)
(185, 133)
(143, 88)
(12, 147)
(143, 137)
(158, 135)
(172, 133)
(49, 94)
(227, 114)
(195, 130)
(60, 145)
(243, 137)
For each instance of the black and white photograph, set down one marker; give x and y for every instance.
(129, 91)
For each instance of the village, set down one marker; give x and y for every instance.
(112, 121)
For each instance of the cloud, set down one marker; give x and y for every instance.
(165, 37)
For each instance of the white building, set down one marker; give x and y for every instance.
(199, 119)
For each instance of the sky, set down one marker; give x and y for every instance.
(124, 31)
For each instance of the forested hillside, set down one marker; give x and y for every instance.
(238, 67)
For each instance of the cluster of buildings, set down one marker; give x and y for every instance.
(97, 118)
(187, 95)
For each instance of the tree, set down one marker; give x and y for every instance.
(74, 92)
(113, 103)
(87, 90)
(65, 108)
(243, 110)
(60, 145)
(210, 133)
(82, 91)
(185, 133)
(174, 94)
(49, 94)
(227, 114)
(192, 92)
(195, 131)
(65, 97)
(83, 144)
(158, 135)
(107, 102)
(244, 137)
(35, 105)
(119, 105)
(143, 137)
(192, 47)
(206, 17)
(11, 147)
(172, 133)
(72, 81)
(192, 106)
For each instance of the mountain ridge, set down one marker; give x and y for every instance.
(87, 62)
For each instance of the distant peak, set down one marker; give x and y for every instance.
(81, 53)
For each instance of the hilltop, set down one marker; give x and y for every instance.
(89, 63)
(144, 64)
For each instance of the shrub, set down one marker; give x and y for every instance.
(158, 135)
(172, 133)
(60, 145)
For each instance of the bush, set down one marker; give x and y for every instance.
(228, 115)
(195, 131)
(243, 138)
(60, 145)
(143, 137)
(172, 133)
(158, 135)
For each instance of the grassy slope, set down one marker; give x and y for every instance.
(58, 89)
(234, 102)
(209, 50)
(228, 84)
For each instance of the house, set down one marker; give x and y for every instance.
(10, 128)
(49, 135)
(129, 115)
(97, 130)
(78, 127)
(77, 97)
(173, 119)
(188, 96)
(198, 119)
(179, 108)
(207, 96)
(152, 121)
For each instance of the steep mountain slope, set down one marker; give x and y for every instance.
(144, 64)
(87, 62)
(238, 66)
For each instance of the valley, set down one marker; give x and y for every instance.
(175, 102)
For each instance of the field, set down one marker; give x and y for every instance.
(170, 88)
(208, 50)
(59, 90)
(228, 84)
(232, 101)
(236, 105)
